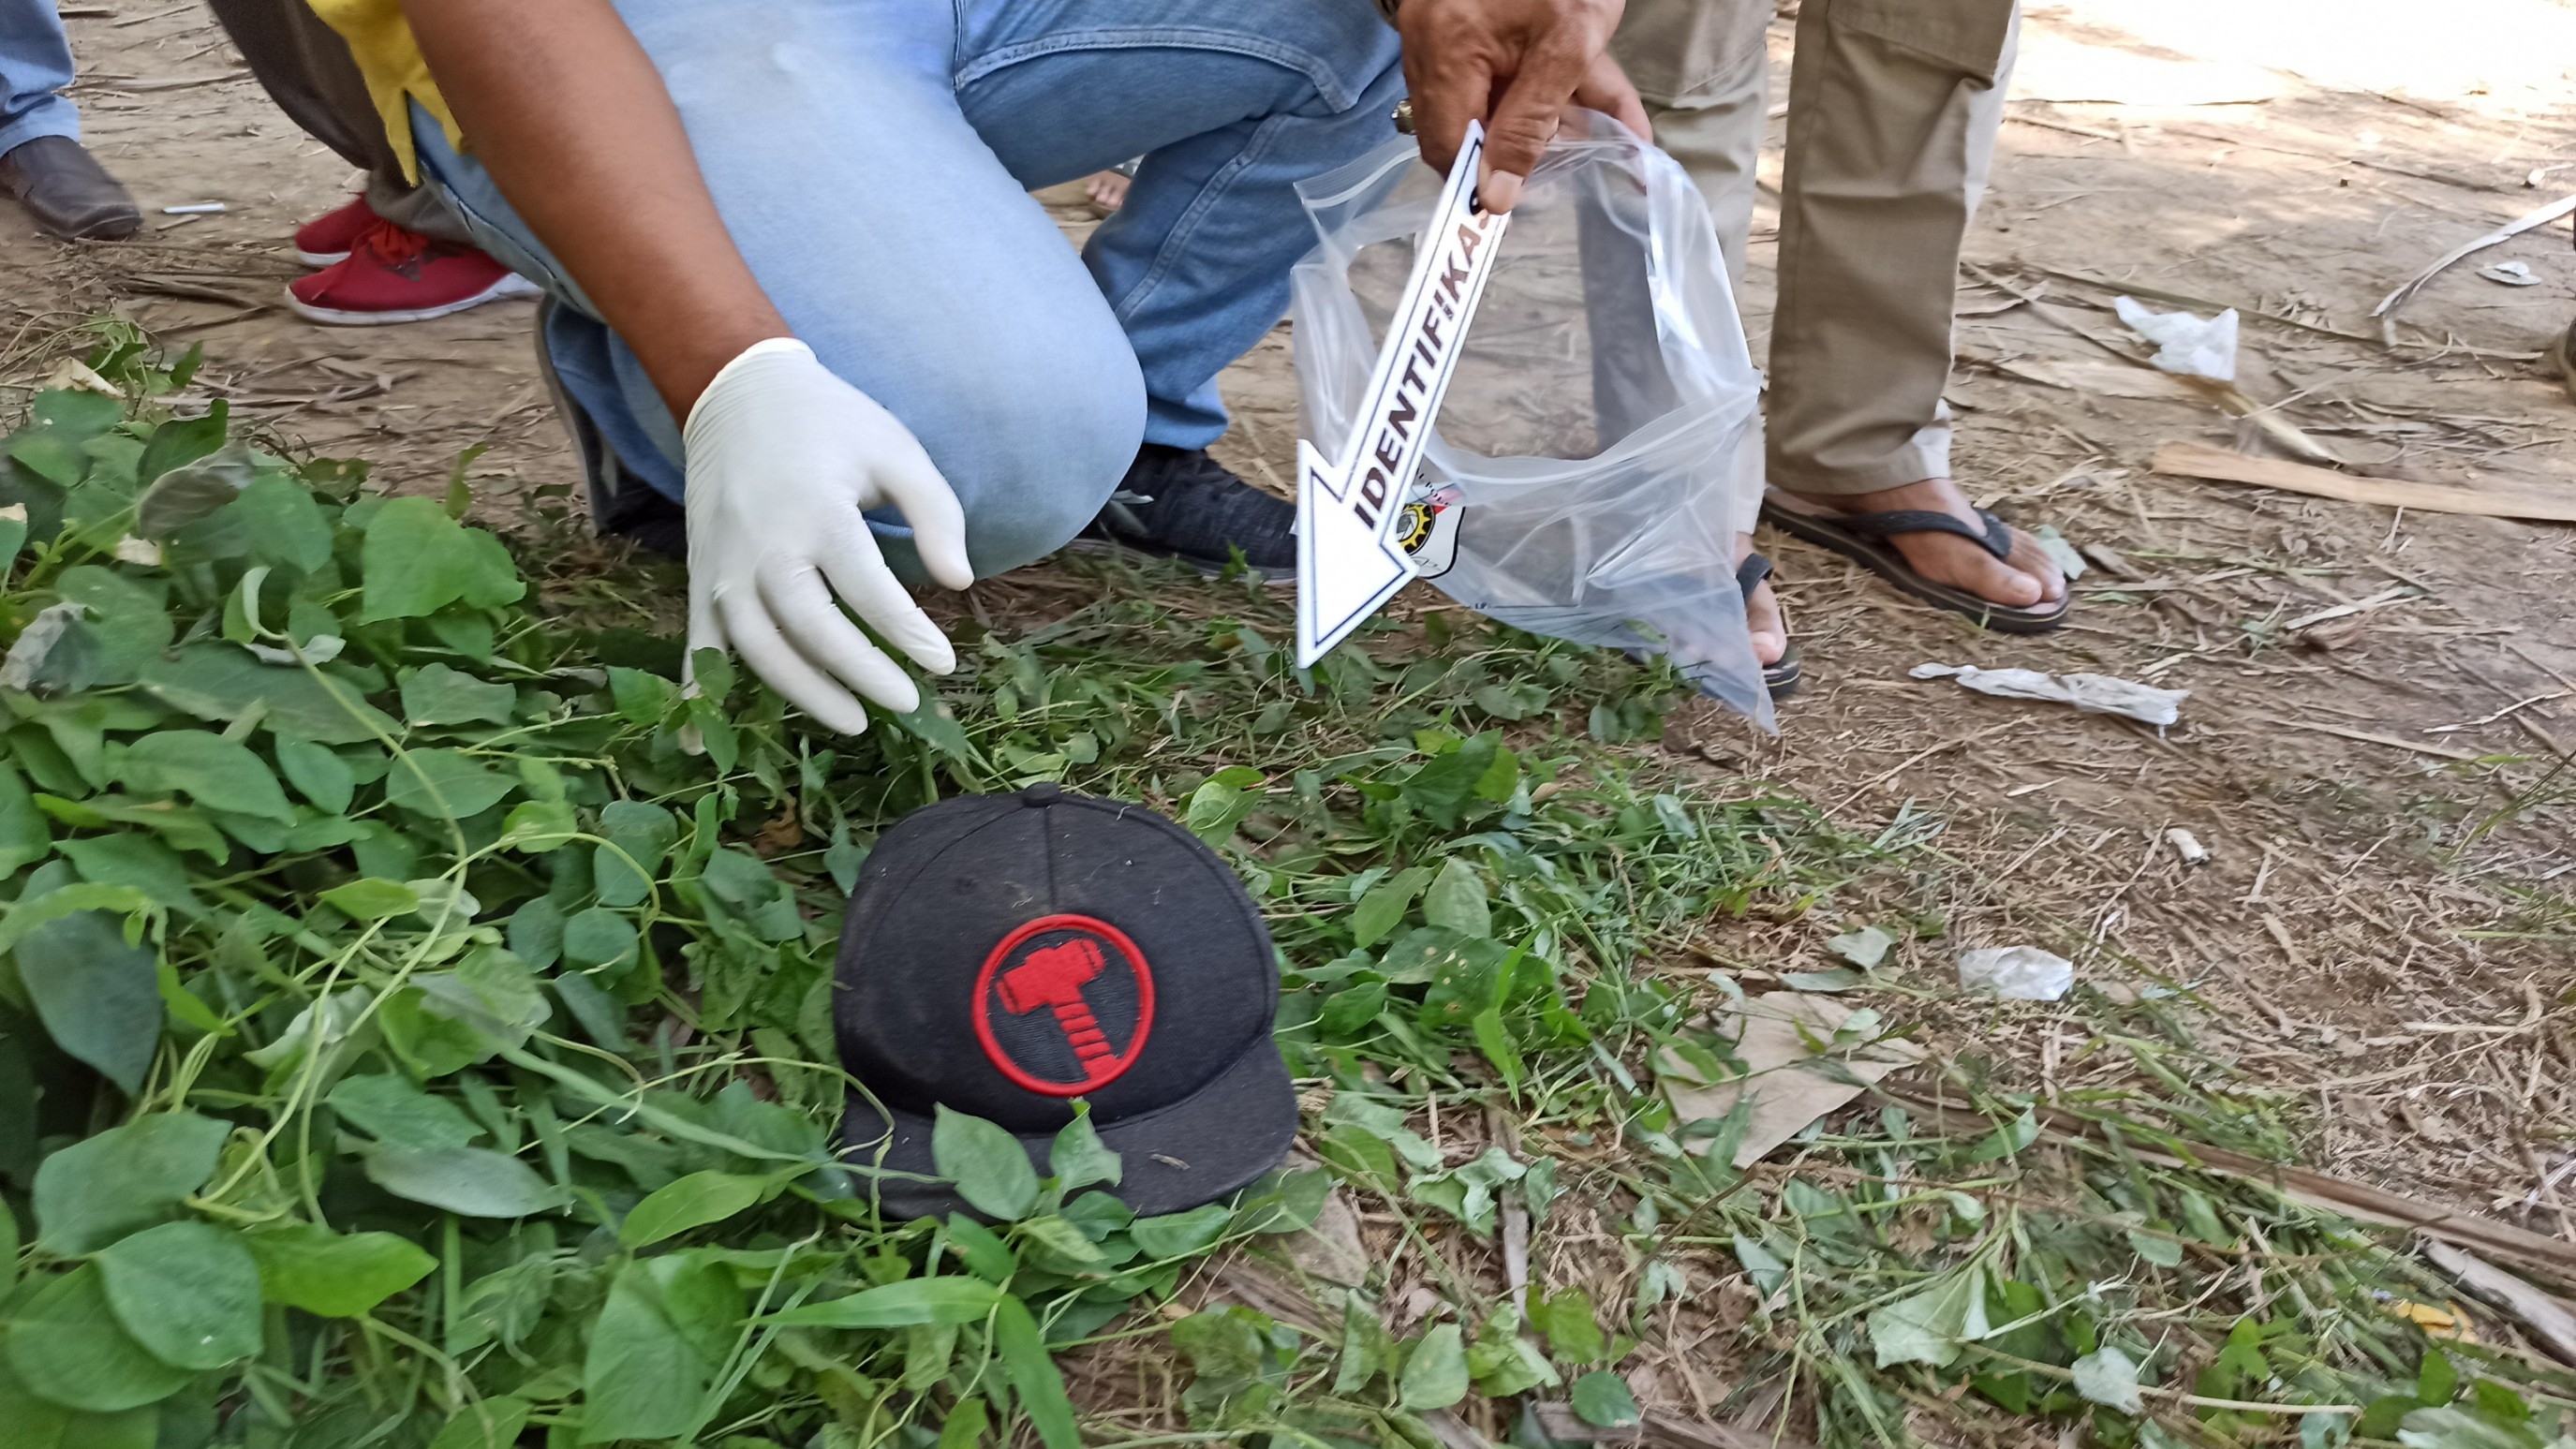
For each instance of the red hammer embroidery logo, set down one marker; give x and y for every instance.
(1080, 969)
(1053, 976)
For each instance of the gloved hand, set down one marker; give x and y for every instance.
(783, 457)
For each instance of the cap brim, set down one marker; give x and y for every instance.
(1194, 1151)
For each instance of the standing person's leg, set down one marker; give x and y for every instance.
(393, 253)
(1704, 68)
(1894, 106)
(35, 66)
(961, 309)
(42, 164)
(305, 67)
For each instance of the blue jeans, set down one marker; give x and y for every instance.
(872, 159)
(35, 65)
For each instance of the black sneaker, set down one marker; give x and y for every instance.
(1180, 503)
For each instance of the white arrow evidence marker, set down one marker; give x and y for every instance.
(1351, 509)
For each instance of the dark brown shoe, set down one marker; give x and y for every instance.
(68, 193)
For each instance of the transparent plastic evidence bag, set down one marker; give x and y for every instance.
(1581, 480)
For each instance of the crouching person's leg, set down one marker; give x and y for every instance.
(894, 244)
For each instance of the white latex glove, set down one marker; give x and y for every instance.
(783, 457)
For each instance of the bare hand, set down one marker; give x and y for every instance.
(1514, 65)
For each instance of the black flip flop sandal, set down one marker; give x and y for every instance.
(1863, 538)
(1781, 678)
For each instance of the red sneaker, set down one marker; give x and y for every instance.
(326, 239)
(393, 275)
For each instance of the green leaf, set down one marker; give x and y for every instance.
(965, 1426)
(2380, 1418)
(489, 1424)
(417, 560)
(1601, 1398)
(2437, 1380)
(2110, 1378)
(1435, 1375)
(188, 1292)
(1495, 1040)
(1080, 1159)
(666, 1325)
(279, 522)
(1382, 909)
(643, 698)
(193, 493)
(1864, 948)
(989, 1166)
(371, 899)
(444, 784)
(438, 695)
(1573, 1331)
(638, 837)
(99, 998)
(129, 620)
(126, 1178)
(2449, 1428)
(2008, 1139)
(222, 681)
(598, 937)
(1178, 1235)
(1364, 1346)
(317, 773)
(1928, 1325)
(25, 838)
(399, 1115)
(898, 1305)
(981, 1249)
(539, 827)
(692, 1202)
(473, 1182)
(1033, 1375)
(1058, 1246)
(1456, 900)
(1385, 1123)
(181, 441)
(66, 1346)
(1221, 804)
(322, 1272)
(2162, 1251)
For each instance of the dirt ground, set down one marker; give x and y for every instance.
(2381, 701)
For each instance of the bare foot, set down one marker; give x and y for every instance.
(1107, 189)
(1762, 612)
(2024, 579)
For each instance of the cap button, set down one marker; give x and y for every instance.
(1044, 792)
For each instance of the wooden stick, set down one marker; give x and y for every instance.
(2549, 1318)
(2199, 460)
(2355, 1200)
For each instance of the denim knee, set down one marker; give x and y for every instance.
(1051, 437)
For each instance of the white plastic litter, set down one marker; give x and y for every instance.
(2187, 346)
(196, 208)
(2016, 973)
(2093, 693)
(2188, 846)
(1579, 481)
(2512, 274)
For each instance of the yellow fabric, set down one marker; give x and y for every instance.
(380, 40)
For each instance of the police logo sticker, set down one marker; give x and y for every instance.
(1428, 532)
(1064, 1005)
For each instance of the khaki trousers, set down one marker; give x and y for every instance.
(1893, 110)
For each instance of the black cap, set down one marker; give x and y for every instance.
(1005, 954)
